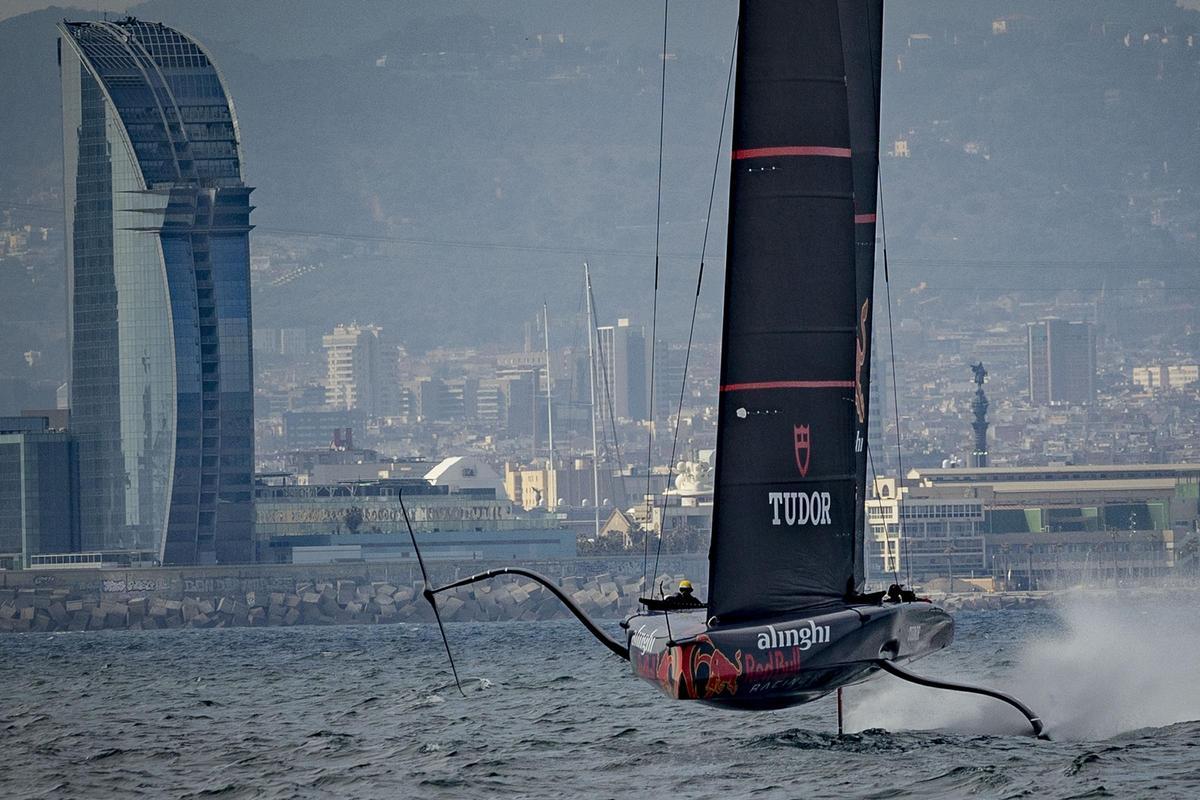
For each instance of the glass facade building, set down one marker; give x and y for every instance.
(158, 222)
(38, 481)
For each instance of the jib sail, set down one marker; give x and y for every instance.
(791, 442)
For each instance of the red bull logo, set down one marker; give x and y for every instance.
(698, 670)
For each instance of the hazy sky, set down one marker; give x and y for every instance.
(11, 8)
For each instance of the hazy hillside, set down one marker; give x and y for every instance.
(527, 134)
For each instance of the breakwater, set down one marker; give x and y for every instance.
(355, 593)
(992, 601)
(285, 595)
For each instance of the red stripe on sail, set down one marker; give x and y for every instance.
(860, 219)
(761, 385)
(769, 152)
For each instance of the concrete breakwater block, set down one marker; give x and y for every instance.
(58, 612)
(264, 601)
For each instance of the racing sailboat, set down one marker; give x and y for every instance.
(786, 620)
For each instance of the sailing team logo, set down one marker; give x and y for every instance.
(803, 441)
(803, 637)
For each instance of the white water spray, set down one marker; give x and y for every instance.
(1116, 664)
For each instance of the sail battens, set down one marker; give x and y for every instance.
(795, 481)
(763, 385)
(811, 151)
(801, 331)
(761, 195)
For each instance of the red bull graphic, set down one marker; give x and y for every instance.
(693, 670)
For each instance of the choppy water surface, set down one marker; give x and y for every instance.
(355, 711)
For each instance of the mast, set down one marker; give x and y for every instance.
(587, 279)
(788, 507)
(551, 501)
(549, 396)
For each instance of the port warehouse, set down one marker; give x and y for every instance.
(365, 520)
(1035, 527)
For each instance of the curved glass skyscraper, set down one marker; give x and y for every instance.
(158, 223)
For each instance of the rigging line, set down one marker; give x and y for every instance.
(687, 356)
(895, 395)
(895, 561)
(662, 112)
(577, 250)
(612, 417)
(887, 283)
(428, 593)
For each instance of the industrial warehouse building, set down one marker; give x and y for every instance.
(1033, 527)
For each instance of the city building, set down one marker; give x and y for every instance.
(293, 342)
(622, 378)
(1062, 362)
(568, 484)
(158, 282)
(353, 378)
(942, 532)
(314, 430)
(669, 364)
(365, 521)
(466, 473)
(1033, 526)
(1158, 378)
(39, 479)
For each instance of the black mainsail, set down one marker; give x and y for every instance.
(792, 429)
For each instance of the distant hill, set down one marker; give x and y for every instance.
(1035, 135)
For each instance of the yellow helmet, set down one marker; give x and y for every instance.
(685, 585)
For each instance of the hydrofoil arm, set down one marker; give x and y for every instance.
(1034, 720)
(604, 639)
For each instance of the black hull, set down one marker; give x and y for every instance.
(784, 661)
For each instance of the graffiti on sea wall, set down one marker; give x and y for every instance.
(134, 585)
(239, 583)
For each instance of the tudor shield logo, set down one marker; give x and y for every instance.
(803, 442)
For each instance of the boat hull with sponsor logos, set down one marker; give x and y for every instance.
(783, 661)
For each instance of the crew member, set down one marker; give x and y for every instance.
(683, 597)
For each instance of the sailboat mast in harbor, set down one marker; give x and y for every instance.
(549, 396)
(591, 323)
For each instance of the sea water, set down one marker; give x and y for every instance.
(372, 712)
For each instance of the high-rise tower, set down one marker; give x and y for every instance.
(1062, 362)
(622, 374)
(158, 280)
(353, 378)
